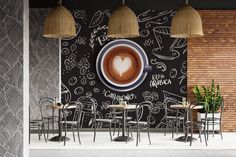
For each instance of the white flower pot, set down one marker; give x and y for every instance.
(216, 115)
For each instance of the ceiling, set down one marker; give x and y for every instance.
(137, 4)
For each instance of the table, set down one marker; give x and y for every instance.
(186, 116)
(59, 108)
(123, 138)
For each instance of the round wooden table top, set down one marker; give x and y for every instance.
(180, 106)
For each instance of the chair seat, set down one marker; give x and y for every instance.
(174, 117)
(69, 122)
(105, 120)
(140, 122)
(36, 121)
(120, 117)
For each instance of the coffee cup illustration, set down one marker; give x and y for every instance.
(122, 65)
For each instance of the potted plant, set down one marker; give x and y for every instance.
(213, 97)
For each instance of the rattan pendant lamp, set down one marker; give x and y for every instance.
(123, 23)
(186, 23)
(59, 23)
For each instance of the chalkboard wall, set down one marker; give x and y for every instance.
(166, 55)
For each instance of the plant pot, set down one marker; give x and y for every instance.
(209, 115)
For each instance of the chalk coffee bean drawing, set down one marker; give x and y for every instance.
(72, 81)
(79, 90)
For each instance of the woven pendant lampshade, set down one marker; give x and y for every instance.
(186, 23)
(59, 23)
(123, 23)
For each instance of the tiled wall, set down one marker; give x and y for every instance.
(214, 57)
(44, 62)
(11, 78)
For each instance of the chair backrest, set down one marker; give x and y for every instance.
(169, 111)
(72, 111)
(89, 104)
(45, 111)
(197, 105)
(140, 107)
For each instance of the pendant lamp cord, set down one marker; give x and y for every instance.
(60, 2)
(123, 2)
(186, 2)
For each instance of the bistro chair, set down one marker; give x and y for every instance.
(173, 118)
(191, 124)
(141, 122)
(71, 116)
(38, 124)
(48, 114)
(212, 121)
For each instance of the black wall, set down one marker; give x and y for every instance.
(166, 55)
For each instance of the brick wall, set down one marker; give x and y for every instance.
(214, 57)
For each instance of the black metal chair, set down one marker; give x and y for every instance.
(38, 124)
(141, 122)
(212, 121)
(48, 114)
(191, 124)
(173, 118)
(71, 116)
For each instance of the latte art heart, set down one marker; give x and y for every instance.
(121, 64)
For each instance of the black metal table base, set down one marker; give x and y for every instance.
(182, 139)
(56, 138)
(122, 139)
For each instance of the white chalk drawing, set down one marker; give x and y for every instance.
(72, 81)
(105, 104)
(96, 90)
(65, 43)
(178, 44)
(89, 94)
(183, 89)
(80, 14)
(158, 41)
(65, 51)
(70, 63)
(65, 94)
(73, 47)
(159, 80)
(149, 15)
(90, 75)
(81, 40)
(114, 96)
(152, 120)
(150, 97)
(173, 73)
(96, 19)
(79, 90)
(95, 33)
(148, 42)
(183, 71)
(91, 83)
(159, 21)
(144, 33)
(159, 65)
(83, 81)
(156, 108)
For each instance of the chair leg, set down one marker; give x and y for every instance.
(200, 133)
(128, 134)
(191, 140)
(166, 127)
(119, 130)
(220, 131)
(53, 125)
(173, 129)
(72, 127)
(187, 131)
(65, 134)
(29, 132)
(207, 129)
(39, 132)
(110, 131)
(94, 134)
(205, 134)
(78, 125)
(114, 130)
(44, 134)
(149, 136)
(137, 136)
(48, 129)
